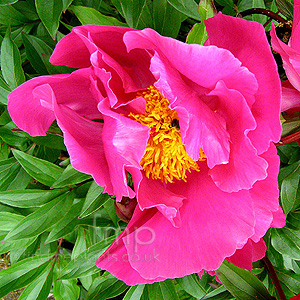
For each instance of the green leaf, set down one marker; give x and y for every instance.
(219, 294)
(11, 63)
(164, 290)
(41, 170)
(289, 279)
(66, 4)
(8, 220)
(50, 11)
(7, 2)
(11, 16)
(286, 241)
(28, 198)
(241, 283)
(51, 141)
(192, 285)
(69, 177)
(135, 292)
(22, 273)
(106, 287)
(187, 7)
(197, 35)
(67, 224)
(6, 246)
(94, 199)
(166, 19)
(289, 191)
(84, 263)
(42, 219)
(39, 289)
(64, 289)
(285, 7)
(4, 90)
(88, 15)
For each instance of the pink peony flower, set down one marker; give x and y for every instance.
(290, 55)
(193, 125)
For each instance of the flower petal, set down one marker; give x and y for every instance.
(247, 41)
(245, 167)
(290, 97)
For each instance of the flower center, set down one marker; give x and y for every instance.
(165, 156)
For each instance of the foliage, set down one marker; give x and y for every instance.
(55, 221)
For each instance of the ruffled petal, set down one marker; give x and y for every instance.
(245, 167)
(247, 41)
(124, 142)
(294, 41)
(210, 218)
(290, 99)
(153, 193)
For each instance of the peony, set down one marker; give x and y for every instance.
(290, 55)
(192, 125)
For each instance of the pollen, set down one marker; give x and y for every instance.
(165, 156)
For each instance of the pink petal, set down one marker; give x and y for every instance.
(278, 218)
(251, 252)
(153, 193)
(295, 38)
(210, 216)
(245, 167)
(124, 142)
(290, 97)
(247, 42)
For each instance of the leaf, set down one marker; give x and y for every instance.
(286, 241)
(42, 219)
(11, 63)
(69, 177)
(50, 11)
(197, 35)
(135, 292)
(106, 287)
(88, 15)
(41, 170)
(166, 19)
(22, 273)
(8, 220)
(289, 189)
(67, 224)
(164, 290)
(289, 279)
(84, 263)
(14, 245)
(28, 198)
(219, 294)
(39, 289)
(66, 4)
(4, 90)
(64, 289)
(51, 141)
(285, 7)
(94, 199)
(7, 2)
(10, 16)
(241, 283)
(192, 285)
(187, 7)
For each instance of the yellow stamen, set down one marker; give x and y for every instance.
(165, 156)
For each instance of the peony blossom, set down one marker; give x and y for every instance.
(290, 55)
(192, 125)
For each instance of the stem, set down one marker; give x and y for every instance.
(274, 278)
(294, 137)
(55, 256)
(266, 12)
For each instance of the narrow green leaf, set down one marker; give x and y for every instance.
(191, 285)
(51, 141)
(219, 294)
(11, 16)
(67, 224)
(166, 19)
(66, 4)
(241, 283)
(187, 7)
(7, 2)
(22, 273)
(39, 289)
(83, 241)
(289, 279)
(94, 199)
(88, 15)
(135, 292)
(28, 198)
(8, 220)
(84, 263)
(69, 177)
(64, 289)
(286, 241)
(41, 170)
(197, 35)
(50, 11)
(285, 7)
(4, 90)
(6, 246)
(106, 287)
(42, 219)
(11, 63)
